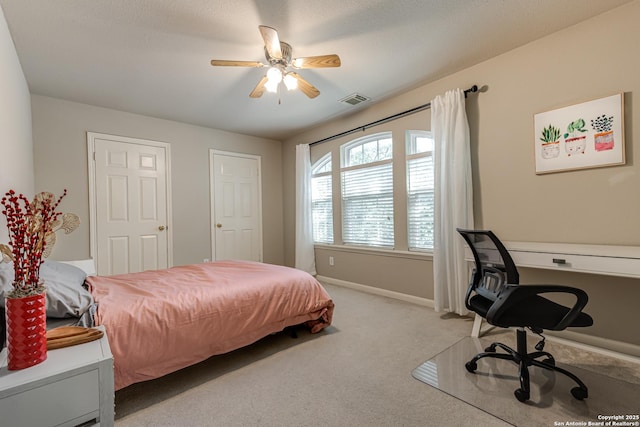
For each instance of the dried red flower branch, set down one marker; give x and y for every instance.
(29, 223)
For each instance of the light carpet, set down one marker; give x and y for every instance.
(355, 373)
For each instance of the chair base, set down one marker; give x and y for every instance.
(523, 359)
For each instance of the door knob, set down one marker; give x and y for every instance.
(161, 228)
(219, 225)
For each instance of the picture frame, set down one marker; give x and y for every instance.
(580, 136)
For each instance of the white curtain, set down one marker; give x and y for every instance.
(453, 200)
(305, 256)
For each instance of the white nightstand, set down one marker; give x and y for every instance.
(73, 386)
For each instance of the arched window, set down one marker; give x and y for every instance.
(367, 191)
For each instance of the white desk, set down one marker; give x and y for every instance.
(73, 386)
(622, 261)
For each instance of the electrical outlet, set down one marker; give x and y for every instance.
(205, 260)
(331, 262)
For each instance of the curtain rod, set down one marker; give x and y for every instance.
(472, 89)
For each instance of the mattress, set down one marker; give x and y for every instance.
(161, 321)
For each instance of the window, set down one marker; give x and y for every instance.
(367, 191)
(321, 201)
(420, 175)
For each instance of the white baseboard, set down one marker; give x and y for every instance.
(618, 349)
(377, 291)
(606, 347)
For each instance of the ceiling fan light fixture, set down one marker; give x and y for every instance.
(290, 82)
(271, 86)
(274, 75)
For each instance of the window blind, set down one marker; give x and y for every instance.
(420, 202)
(367, 205)
(322, 208)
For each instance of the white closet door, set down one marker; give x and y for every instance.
(237, 219)
(131, 206)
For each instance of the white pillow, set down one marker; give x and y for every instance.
(86, 265)
(66, 295)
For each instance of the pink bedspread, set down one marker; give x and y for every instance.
(160, 321)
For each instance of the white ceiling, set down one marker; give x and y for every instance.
(152, 57)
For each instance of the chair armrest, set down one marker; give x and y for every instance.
(513, 294)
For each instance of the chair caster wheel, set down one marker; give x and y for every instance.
(521, 395)
(490, 349)
(471, 366)
(579, 393)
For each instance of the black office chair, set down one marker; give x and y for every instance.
(494, 293)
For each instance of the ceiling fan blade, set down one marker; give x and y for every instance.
(226, 63)
(321, 61)
(259, 89)
(271, 41)
(304, 86)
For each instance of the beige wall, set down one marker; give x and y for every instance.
(600, 206)
(16, 145)
(60, 152)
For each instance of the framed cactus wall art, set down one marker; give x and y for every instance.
(580, 136)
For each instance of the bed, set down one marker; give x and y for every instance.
(161, 321)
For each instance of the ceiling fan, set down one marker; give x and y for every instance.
(279, 60)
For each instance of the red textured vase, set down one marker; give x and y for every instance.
(26, 331)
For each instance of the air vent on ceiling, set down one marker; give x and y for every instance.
(354, 99)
